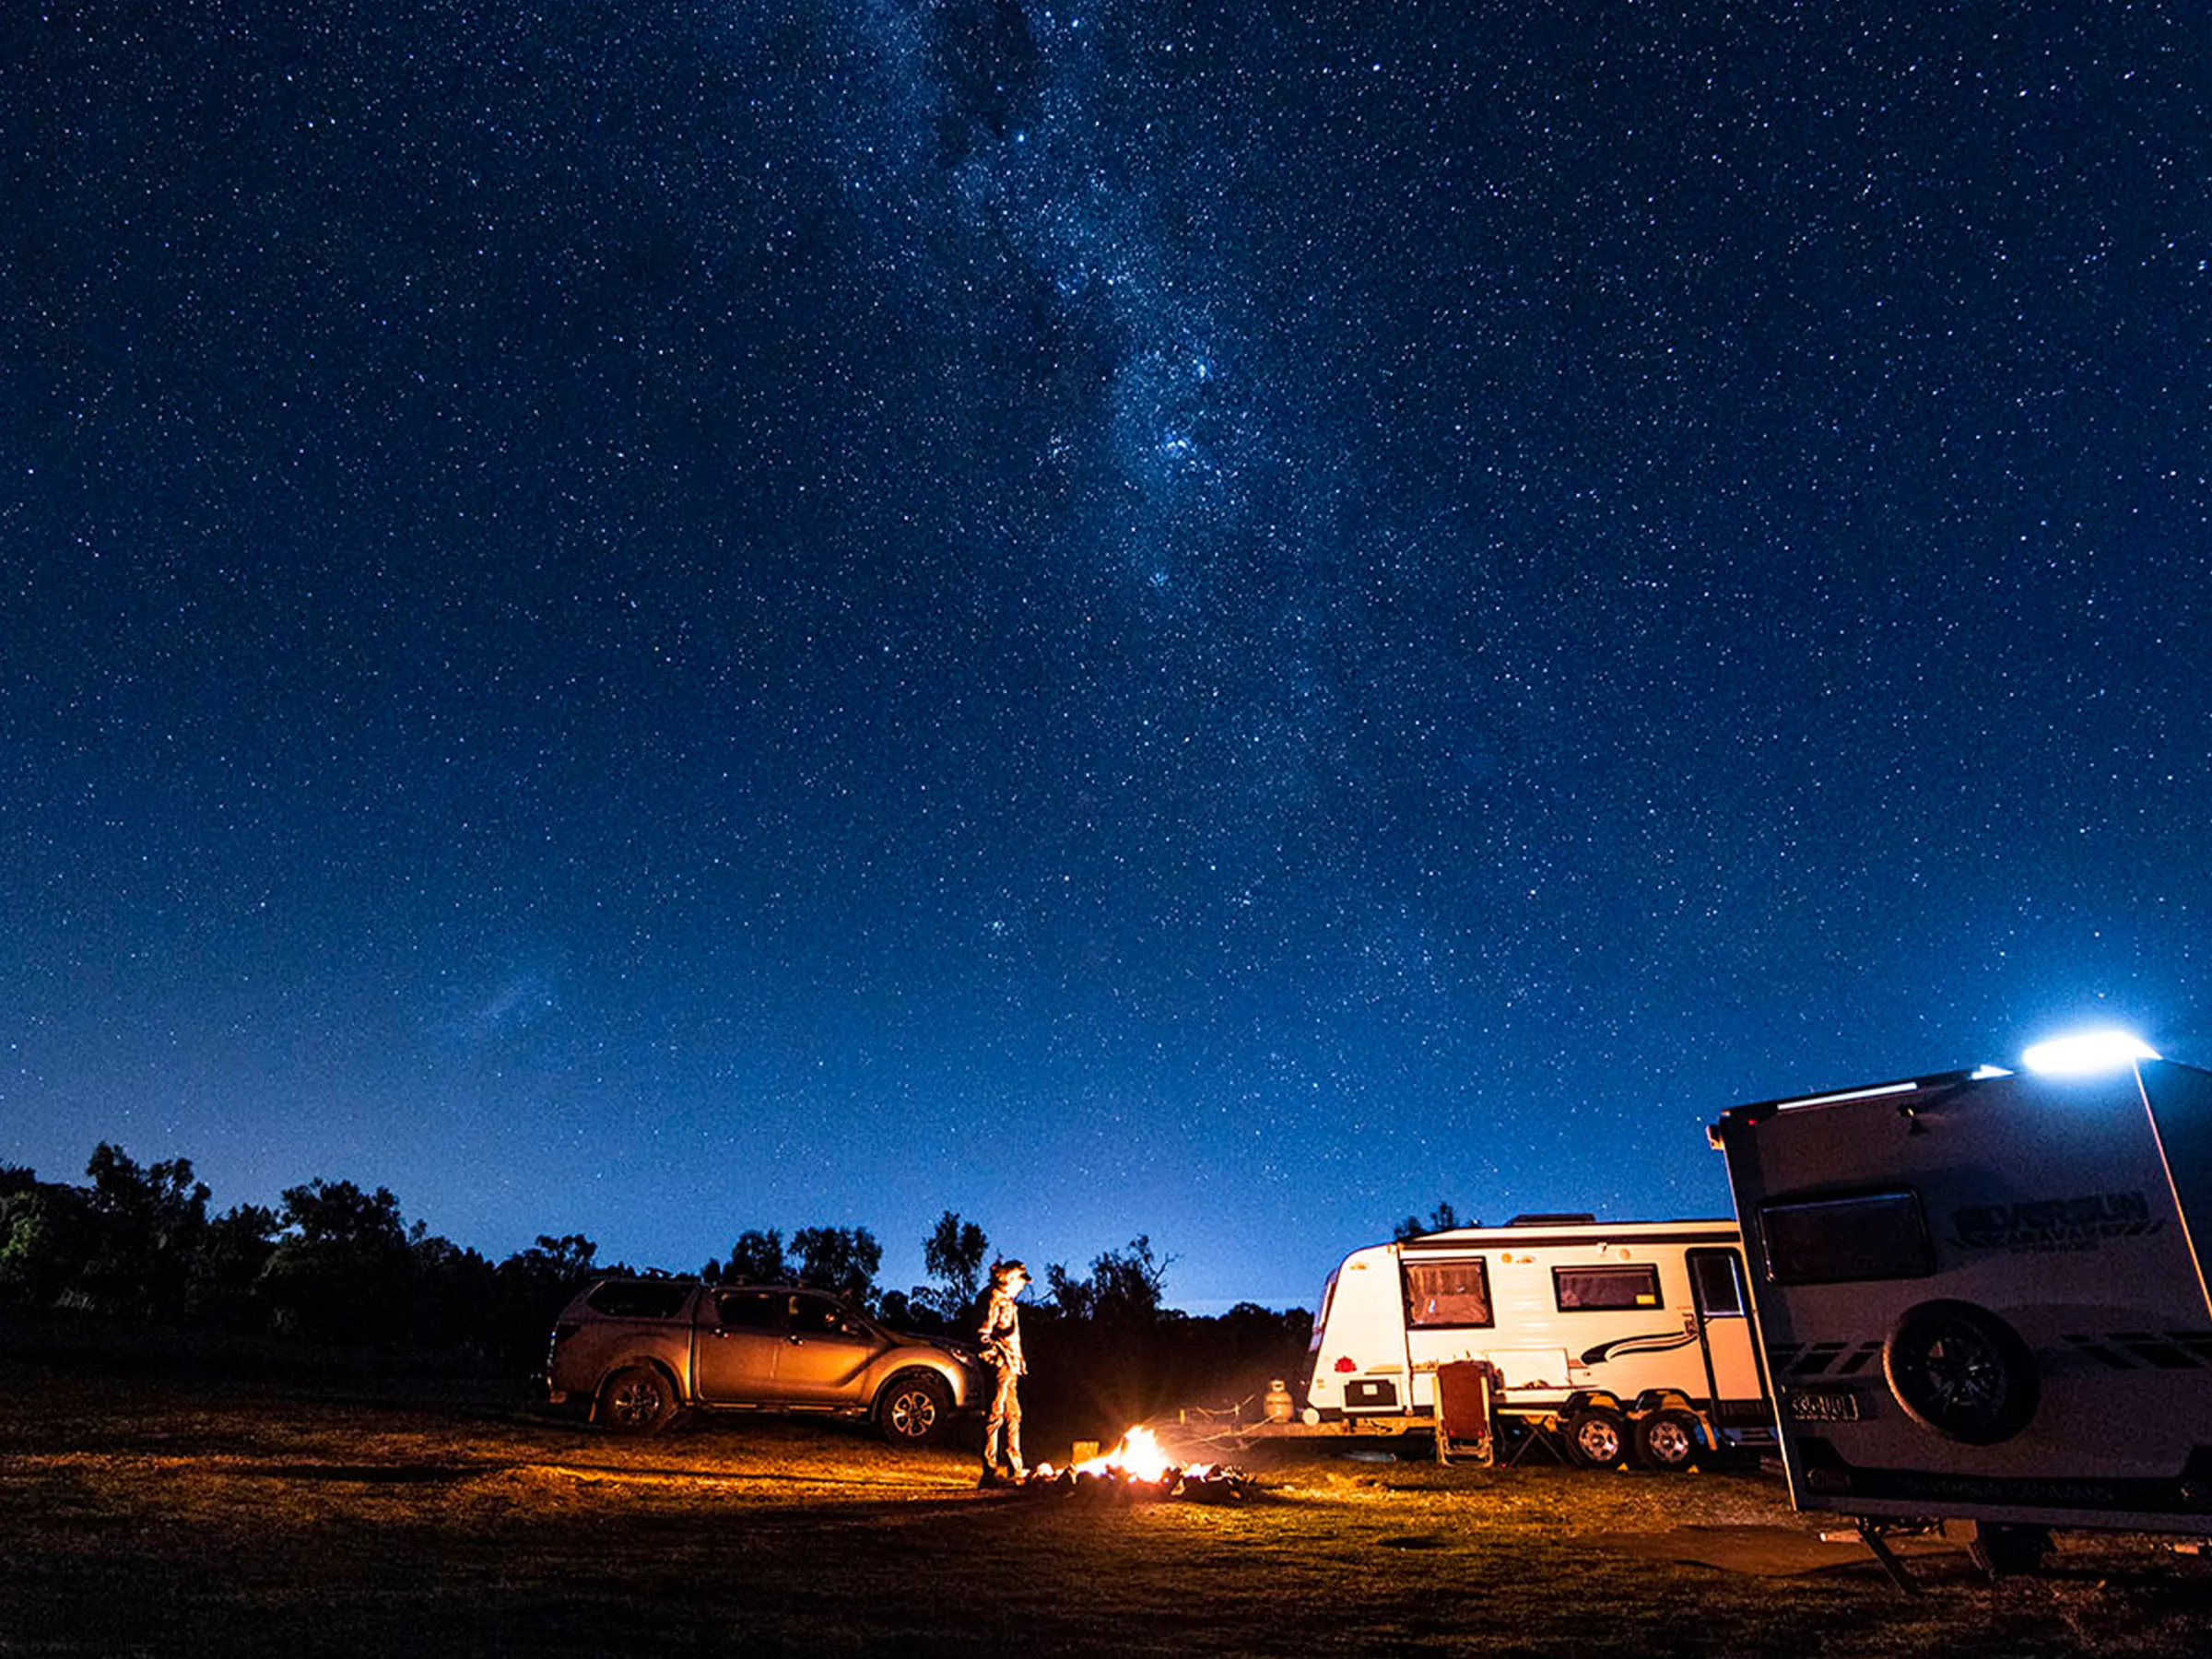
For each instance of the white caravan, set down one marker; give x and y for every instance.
(1981, 1297)
(1612, 1336)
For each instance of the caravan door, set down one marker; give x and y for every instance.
(1735, 1388)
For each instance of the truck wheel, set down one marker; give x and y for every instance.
(1667, 1440)
(1597, 1437)
(636, 1400)
(1962, 1372)
(913, 1409)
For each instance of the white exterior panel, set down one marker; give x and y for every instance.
(1981, 1297)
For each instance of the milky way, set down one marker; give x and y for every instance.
(655, 620)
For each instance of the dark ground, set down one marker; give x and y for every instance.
(153, 1512)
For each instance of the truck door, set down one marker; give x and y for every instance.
(826, 1354)
(738, 1345)
(1732, 1369)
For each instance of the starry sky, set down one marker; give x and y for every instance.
(1221, 622)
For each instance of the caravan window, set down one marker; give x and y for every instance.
(1591, 1290)
(1320, 1320)
(1833, 1240)
(1716, 1284)
(1448, 1293)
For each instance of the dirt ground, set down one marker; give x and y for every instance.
(147, 1515)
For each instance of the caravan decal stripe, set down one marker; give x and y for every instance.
(2147, 1351)
(1813, 1358)
(2115, 1350)
(1657, 1342)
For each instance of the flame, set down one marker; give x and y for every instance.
(1136, 1458)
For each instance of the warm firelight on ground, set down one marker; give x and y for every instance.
(1138, 1467)
(1136, 1458)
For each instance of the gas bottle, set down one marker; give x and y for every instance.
(1276, 1402)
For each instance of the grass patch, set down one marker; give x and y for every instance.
(159, 1516)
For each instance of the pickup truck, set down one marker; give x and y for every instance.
(639, 1350)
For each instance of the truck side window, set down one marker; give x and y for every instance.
(640, 1299)
(1831, 1241)
(749, 1310)
(1592, 1290)
(1448, 1293)
(819, 1316)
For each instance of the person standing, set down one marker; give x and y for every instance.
(1001, 1335)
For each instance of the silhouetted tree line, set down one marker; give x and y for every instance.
(1442, 1218)
(333, 1264)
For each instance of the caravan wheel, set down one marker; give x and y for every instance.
(1961, 1371)
(1667, 1441)
(1597, 1437)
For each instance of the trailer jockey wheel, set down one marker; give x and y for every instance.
(1963, 1372)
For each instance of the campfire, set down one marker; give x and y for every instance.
(1138, 1469)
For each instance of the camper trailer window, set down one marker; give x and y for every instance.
(1448, 1293)
(1591, 1290)
(1834, 1241)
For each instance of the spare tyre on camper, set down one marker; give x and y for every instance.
(1981, 1293)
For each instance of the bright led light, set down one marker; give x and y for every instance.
(2088, 1051)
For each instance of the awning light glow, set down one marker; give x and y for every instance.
(2086, 1052)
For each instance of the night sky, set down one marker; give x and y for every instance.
(1215, 621)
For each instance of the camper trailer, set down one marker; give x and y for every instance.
(1609, 1339)
(1980, 1296)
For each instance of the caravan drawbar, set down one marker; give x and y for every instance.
(1609, 1339)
